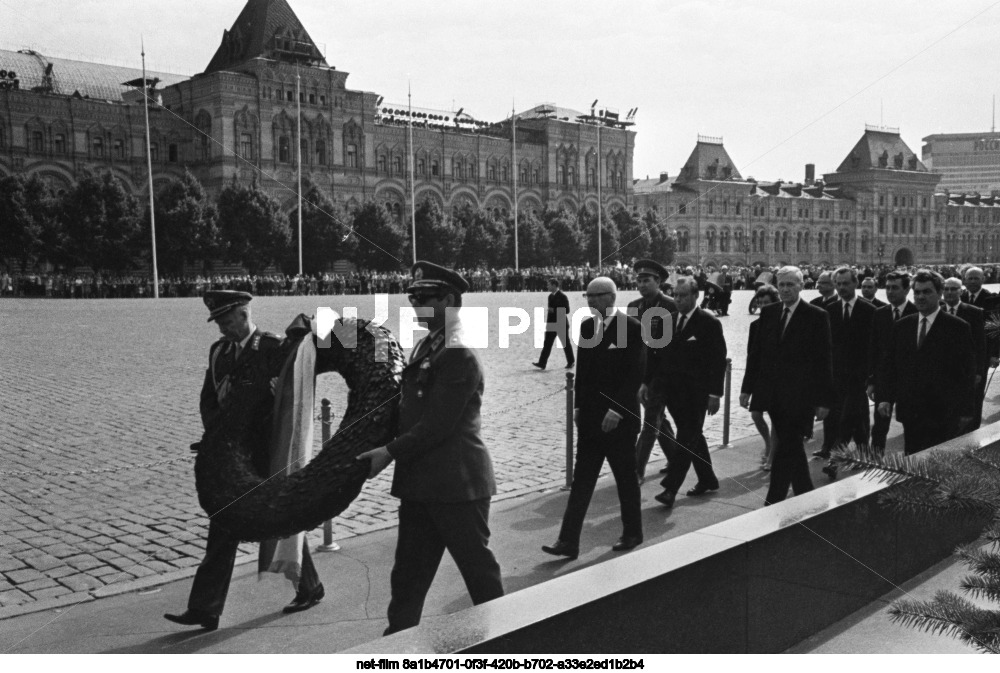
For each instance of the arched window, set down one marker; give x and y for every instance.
(284, 150)
(246, 146)
(321, 152)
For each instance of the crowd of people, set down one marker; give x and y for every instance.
(529, 279)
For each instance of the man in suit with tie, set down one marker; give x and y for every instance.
(444, 475)
(688, 376)
(827, 290)
(790, 377)
(850, 336)
(975, 316)
(897, 287)
(556, 325)
(238, 349)
(608, 375)
(927, 373)
(654, 310)
(868, 289)
(989, 302)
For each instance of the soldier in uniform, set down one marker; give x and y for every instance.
(444, 475)
(654, 423)
(238, 349)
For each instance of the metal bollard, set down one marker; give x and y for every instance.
(725, 413)
(569, 432)
(326, 421)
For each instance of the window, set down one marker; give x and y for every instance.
(397, 165)
(421, 166)
(881, 199)
(302, 97)
(682, 209)
(59, 143)
(491, 172)
(303, 150)
(352, 156)
(380, 165)
(881, 224)
(524, 175)
(737, 207)
(711, 206)
(172, 153)
(322, 100)
(154, 151)
(895, 201)
(505, 173)
(534, 177)
(435, 168)
(561, 175)
(37, 142)
(284, 150)
(895, 225)
(288, 96)
(911, 229)
(3, 137)
(98, 147)
(312, 99)
(246, 146)
(120, 147)
(321, 152)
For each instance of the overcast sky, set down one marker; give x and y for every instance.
(784, 83)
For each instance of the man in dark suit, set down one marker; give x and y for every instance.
(927, 372)
(975, 316)
(850, 337)
(790, 377)
(689, 376)
(556, 325)
(654, 311)
(989, 302)
(868, 289)
(444, 475)
(239, 349)
(608, 376)
(827, 290)
(897, 287)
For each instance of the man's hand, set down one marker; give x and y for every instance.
(994, 362)
(745, 400)
(380, 458)
(821, 413)
(644, 395)
(979, 378)
(871, 392)
(610, 421)
(274, 384)
(964, 422)
(713, 405)
(885, 409)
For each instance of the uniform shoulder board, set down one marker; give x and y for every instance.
(267, 340)
(216, 346)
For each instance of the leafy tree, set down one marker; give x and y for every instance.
(252, 229)
(635, 237)
(187, 228)
(439, 238)
(663, 239)
(564, 232)
(27, 216)
(326, 236)
(609, 238)
(381, 242)
(485, 239)
(534, 245)
(102, 222)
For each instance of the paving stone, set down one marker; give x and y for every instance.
(14, 597)
(43, 583)
(81, 582)
(24, 576)
(8, 563)
(52, 592)
(44, 562)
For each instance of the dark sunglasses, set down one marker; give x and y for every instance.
(423, 297)
(592, 295)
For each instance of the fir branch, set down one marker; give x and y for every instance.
(978, 586)
(979, 560)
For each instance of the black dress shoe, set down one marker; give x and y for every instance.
(192, 618)
(825, 455)
(538, 364)
(702, 489)
(561, 548)
(570, 365)
(305, 601)
(666, 498)
(665, 470)
(627, 542)
(830, 471)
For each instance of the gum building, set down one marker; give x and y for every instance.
(967, 162)
(239, 118)
(882, 205)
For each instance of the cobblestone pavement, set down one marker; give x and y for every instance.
(92, 389)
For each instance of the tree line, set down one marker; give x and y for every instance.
(97, 223)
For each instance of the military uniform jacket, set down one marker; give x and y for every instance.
(440, 454)
(656, 326)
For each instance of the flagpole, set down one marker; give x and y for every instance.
(149, 169)
(409, 161)
(513, 151)
(298, 98)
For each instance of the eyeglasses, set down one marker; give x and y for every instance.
(592, 295)
(423, 298)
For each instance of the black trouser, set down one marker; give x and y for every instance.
(689, 415)
(924, 433)
(977, 417)
(880, 431)
(789, 466)
(847, 420)
(426, 529)
(211, 581)
(655, 427)
(592, 447)
(550, 338)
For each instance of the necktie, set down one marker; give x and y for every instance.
(847, 313)
(895, 314)
(680, 324)
(954, 310)
(923, 332)
(784, 320)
